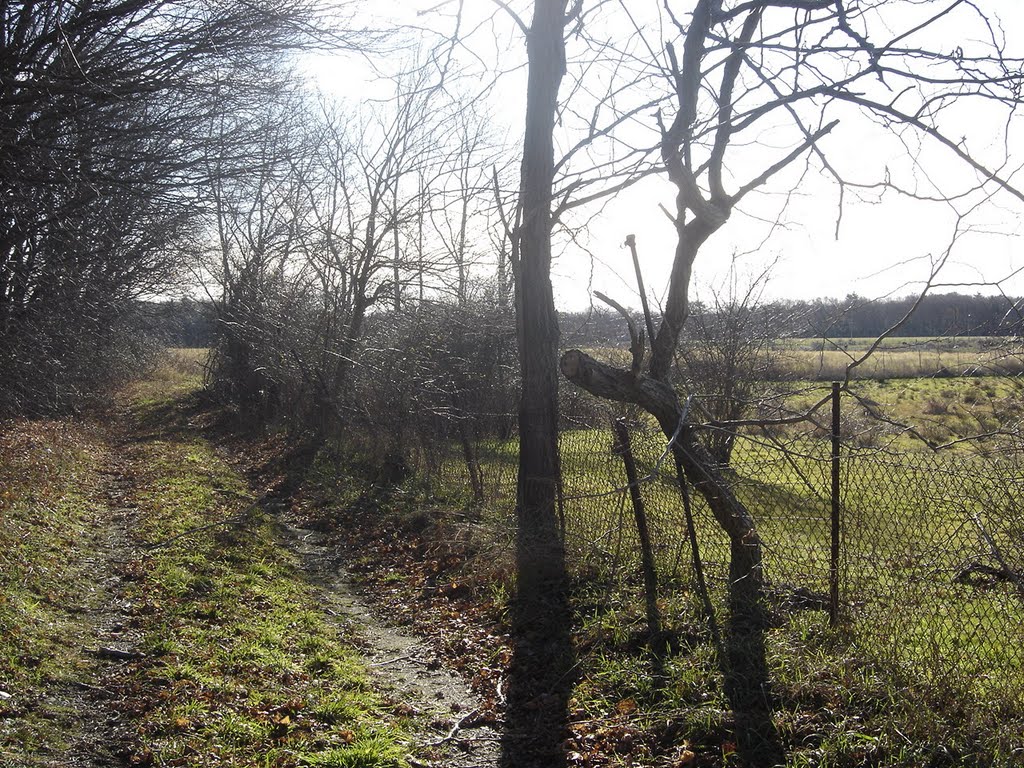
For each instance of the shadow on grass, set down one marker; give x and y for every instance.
(541, 677)
(747, 686)
(186, 415)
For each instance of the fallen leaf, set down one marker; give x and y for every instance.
(626, 707)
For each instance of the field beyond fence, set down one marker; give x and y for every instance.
(818, 359)
(931, 545)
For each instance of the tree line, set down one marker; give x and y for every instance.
(936, 316)
(191, 322)
(115, 120)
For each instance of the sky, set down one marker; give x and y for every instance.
(884, 245)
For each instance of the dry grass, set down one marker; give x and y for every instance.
(897, 358)
(894, 364)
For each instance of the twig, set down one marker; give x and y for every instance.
(199, 528)
(631, 244)
(455, 729)
(636, 346)
(92, 688)
(1011, 574)
(116, 654)
(407, 657)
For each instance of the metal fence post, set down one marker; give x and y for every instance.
(833, 575)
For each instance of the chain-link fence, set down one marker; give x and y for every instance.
(931, 544)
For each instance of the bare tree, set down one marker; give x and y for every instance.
(103, 116)
(726, 356)
(260, 218)
(464, 188)
(799, 68)
(540, 549)
(327, 228)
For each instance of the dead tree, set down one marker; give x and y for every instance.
(797, 67)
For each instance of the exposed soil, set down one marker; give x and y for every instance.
(106, 735)
(91, 706)
(459, 732)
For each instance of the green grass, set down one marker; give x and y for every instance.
(48, 482)
(242, 667)
(247, 670)
(938, 410)
(924, 672)
(177, 372)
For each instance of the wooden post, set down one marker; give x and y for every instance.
(631, 242)
(624, 449)
(833, 603)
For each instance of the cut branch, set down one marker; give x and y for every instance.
(636, 338)
(660, 400)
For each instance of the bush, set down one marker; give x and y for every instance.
(56, 365)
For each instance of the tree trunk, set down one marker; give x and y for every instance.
(541, 671)
(540, 552)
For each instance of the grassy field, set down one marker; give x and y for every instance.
(240, 666)
(816, 359)
(909, 414)
(249, 672)
(924, 671)
(895, 358)
(48, 510)
(923, 664)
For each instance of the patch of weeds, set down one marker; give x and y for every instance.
(830, 705)
(836, 708)
(375, 752)
(176, 373)
(236, 631)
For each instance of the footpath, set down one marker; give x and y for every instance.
(154, 611)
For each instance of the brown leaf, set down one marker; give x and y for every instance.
(684, 759)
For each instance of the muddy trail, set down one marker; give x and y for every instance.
(408, 667)
(87, 713)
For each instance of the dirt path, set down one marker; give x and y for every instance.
(82, 712)
(404, 665)
(83, 715)
(70, 717)
(102, 735)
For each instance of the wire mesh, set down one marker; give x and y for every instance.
(932, 544)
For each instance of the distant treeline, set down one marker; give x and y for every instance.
(191, 323)
(938, 315)
(941, 314)
(181, 323)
